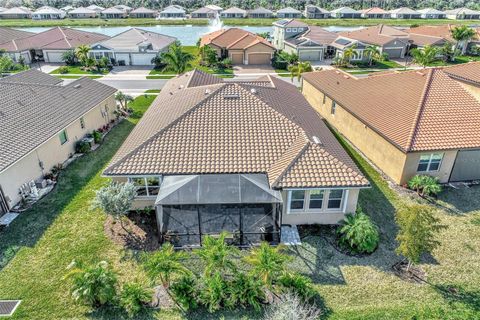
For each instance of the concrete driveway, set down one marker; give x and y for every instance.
(252, 69)
(119, 72)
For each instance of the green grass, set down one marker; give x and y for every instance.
(458, 60)
(153, 91)
(77, 69)
(76, 77)
(161, 77)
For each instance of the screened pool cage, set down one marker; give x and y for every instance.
(192, 206)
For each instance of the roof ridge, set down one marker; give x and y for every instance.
(238, 40)
(64, 36)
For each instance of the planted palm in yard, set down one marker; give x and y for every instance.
(358, 233)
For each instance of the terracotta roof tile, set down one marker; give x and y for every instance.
(234, 37)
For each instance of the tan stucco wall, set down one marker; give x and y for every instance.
(381, 152)
(443, 174)
(52, 152)
(259, 48)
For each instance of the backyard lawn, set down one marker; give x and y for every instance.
(42, 242)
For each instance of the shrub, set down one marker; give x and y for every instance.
(134, 298)
(289, 307)
(63, 69)
(425, 185)
(267, 262)
(213, 292)
(164, 263)
(94, 285)
(97, 136)
(82, 147)
(358, 233)
(298, 284)
(185, 292)
(245, 291)
(217, 255)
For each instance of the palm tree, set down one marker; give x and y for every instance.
(216, 254)
(374, 54)
(349, 53)
(81, 52)
(449, 51)
(164, 263)
(123, 99)
(298, 69)
(176, 59)
(462, 34)
(290, 58)
(424, 56)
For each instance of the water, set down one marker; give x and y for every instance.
(187, 34)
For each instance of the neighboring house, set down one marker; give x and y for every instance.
(16, 13)
(9, 34)
(341, 44)
(48, 13)
(96, 8)
(3, 9)
(345, 13)
(260, 13)
(125, 8)
(50, 45)
(404, 13)
(214, 7)
(67, 9)
(433, 130)
(204, 13)
(374, 13)
(315, 12)
(173, 11)
(289, 13)
(462, 14)
(242, 46)
(430, 13)
(233, 12)
(432, 35)
(82, 13)
(132, 47)
(277, 165)
(287, 29)
(114, 13)
(41, 122)
(143, 12)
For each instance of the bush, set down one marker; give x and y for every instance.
(134, 298)
(298, 284)
(245, 291)
(82, 147)
(97, 137)
(185, 293)
(425, 185)
(213, 292)
(358, 233)
(63, 69)
(289, 307)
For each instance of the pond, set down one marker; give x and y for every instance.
(187, 34)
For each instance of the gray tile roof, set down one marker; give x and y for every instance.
(30, 113)
(32, 76)
(8, 34)
(130, 40)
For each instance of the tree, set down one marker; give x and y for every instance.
(374, 54)
(417, 229)
(267, 262)
(449, 51)
(298, 69)
(123, 99)
(69, 57)
(116, 200)
(350, 53)
(176, 59)
(290, 58)
(81, 52)
(6, 64)
(209, 55)
(264, 35)
(165, 263)
(424, 56)
(462, 35)
(217, 255)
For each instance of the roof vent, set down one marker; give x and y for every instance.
(253, 91)
(208, 91)
(77, 86)
(316, 140)
(231, 96)
(181, 86)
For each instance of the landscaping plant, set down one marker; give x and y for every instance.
(217, 255)
(134, 298)
(424, 56)
(296, 283)
(245, 291)
(291, 307)
(425, 185)
(296, 70)
(462, 34)
(123, 99)
(82, 147)
(164, 263)
(358, 233)
(69, 58)
(185, 292)
(213, 292)
(176, 59)
(97, 136)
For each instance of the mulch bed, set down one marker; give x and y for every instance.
(415, 274)
(141, 231)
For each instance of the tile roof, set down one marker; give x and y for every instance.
(315, 34)
(430, 11)
(205, 10)
(288, 10)
(260, 10)
(32, 76)
(113, 10)
(82, 10)
(9, 34)
(344, 10)
(130, 39)
(233, 38)
(236, 127)
(404, 10)
(468, 72)
(440, 31)
(32, 113)
(461, 11)
(142, 10)
(374, 10)
(234, 10)
(291, 23)
(378, 35)
(414, 110)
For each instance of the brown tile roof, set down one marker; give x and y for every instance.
(9, 34)
(414, 110)
(468, 72)
(235, 127)
(319, 35)
(378, 35)
(373, 10)
(32, 113)
(423, 40)
(440, 31)
(233, 38)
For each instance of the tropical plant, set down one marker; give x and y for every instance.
(296, 283)
(418, 227)
(225, 63)
(97, 136)
(176, 59)
(374, 54)
(94, 285)
(425, 185)
(115, 200)
(267, 262)
(462, 35)
(103, 62)
(424, 56)
(134, 298)
(213, 293)
(6, 64)
(164, 263)
(448, 52)
(296, 70)
(358, 233)
(245, 291)
(289, 58)
(264, 35)
(81, 52)
(208, 55)
(82, 147)
(123, 99)
(217, 254)
(185, 292)
(63, 69)
(69, 57)
(291, 306)
(350, 53)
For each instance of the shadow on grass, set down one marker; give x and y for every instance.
(460, 201)
(30, 225)
(454, 296)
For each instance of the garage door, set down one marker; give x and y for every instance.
(237, 58)
(467, 166)
(142, 59)
(394, 53)
(53, 56)
(312, 55)
(259, 58)
(125, 57)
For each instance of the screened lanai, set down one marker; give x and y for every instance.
(192, 206)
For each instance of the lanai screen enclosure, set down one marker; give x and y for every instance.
(191, 206)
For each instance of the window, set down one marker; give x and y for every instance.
(294, 29)
(324, 98)
(289, 30)
(429, 162)
(297, 200)
(153, 185)
(335, 199)
(300, 29)
(146, 186)
(82, 123)
(316, 199)
(63, 137)
(334, 106)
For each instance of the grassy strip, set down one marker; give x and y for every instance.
(160, 77)
(152, 91)
(77, 69)
(76, 77)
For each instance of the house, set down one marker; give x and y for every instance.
(173, 11)
(310, 43)
(345, 13)
(16, 13)
(430, 13)
(96, 8)
(242, 46)
(462, 14)
(3, 9)
(204, 13)
(123, 7)
(67, 9)
(404, 13)
(50, 45)
(48, 13)
(260, 13)
(341, 44)
(433, 130)
(278, 165)
(289, 13)
(114, 13)
(9, 34)
(41, 121)
(315, 12)
(214, 7)
(233, 12)
(374, 13)
(436, 35)
(132, 47)
(143, 12)
(82, 13)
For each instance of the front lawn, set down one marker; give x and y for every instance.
(458, 60)
(77, 69)
(387, 64)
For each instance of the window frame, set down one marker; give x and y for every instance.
(146, 186)
(325, 199)
(342, 199)
(324, 98)
(65, 134)
(430, 160)
(333, 108)
(82, 122)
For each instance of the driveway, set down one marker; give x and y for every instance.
(131, 72)
(45, 66)
(252, 69)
